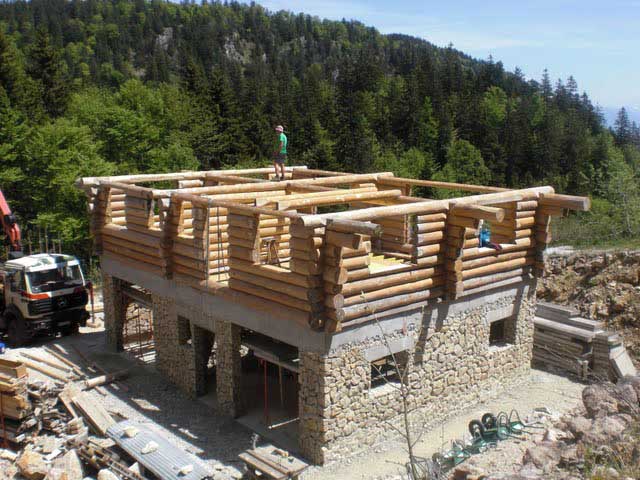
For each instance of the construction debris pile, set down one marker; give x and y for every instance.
(16, 410)
(53, 428)
(565, 340)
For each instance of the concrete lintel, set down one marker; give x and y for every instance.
(436, 312)
(394, 346)
(188, 298)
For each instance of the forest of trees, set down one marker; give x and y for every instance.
(91, 87)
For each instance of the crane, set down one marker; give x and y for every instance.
(11, 229)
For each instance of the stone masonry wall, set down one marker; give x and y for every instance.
(228, 368)
(182, 358)
(453, 367)
(114, 311)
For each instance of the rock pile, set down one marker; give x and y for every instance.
(585, 443)
(600, 441)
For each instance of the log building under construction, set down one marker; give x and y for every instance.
(296, 298)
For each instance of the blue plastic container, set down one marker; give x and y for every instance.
(485, 235)
(2, 348)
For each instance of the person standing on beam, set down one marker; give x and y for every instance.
(280, 155)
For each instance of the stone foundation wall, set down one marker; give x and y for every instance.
(452, 367)
(228, 368)
(114, 311)
(181, 356)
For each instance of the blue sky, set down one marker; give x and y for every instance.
(598, 42)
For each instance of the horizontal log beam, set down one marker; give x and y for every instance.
(570, 202)
(398, 181)
(491, 214)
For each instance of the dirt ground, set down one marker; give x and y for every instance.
(196, 428)
(549, 392)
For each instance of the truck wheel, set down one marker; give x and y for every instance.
(17, 332)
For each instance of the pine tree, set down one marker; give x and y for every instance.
(46, 67)
(622, 127)
(545, 88)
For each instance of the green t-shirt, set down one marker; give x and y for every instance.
(283, 139)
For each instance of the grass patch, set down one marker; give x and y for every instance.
(601, 227)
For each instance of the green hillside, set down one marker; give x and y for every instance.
(95, 87)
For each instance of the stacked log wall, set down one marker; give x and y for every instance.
(471, 268)
(295, 287)
(133, 236)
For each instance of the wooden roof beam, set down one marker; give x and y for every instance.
(231, 206)
(491, 214)
(232, 179)
(569, 202)
(309, 172)
(335, 199)
(332, 192)
(429, 206)
(400, 182)
(190, 175)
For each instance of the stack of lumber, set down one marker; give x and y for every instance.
(610, 358)
(13, 390)
(271, 463)
(562, 339)
(565, 340)
(297, 288)
(15, 407)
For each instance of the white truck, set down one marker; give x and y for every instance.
(42, 294)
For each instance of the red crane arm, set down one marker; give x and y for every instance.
(10, 226)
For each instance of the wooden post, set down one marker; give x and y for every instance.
(101, 215)
(458, 232)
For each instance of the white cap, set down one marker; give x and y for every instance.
(279, 128)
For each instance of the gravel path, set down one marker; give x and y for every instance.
(542, 389)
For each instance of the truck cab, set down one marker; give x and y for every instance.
(42, 294)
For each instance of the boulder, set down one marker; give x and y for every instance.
(571, 456)
(627, 399)
(545, 456)
(579, 426)
(55, 473)
(530, 472)
(633, 382)
(605, 430)
(31, 465)
(599, 401)
(7, 470)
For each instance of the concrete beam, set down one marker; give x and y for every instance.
(305, 339)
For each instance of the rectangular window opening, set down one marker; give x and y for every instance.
(386, 371)
(394, 249)
(502, 332)
(496, 333)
